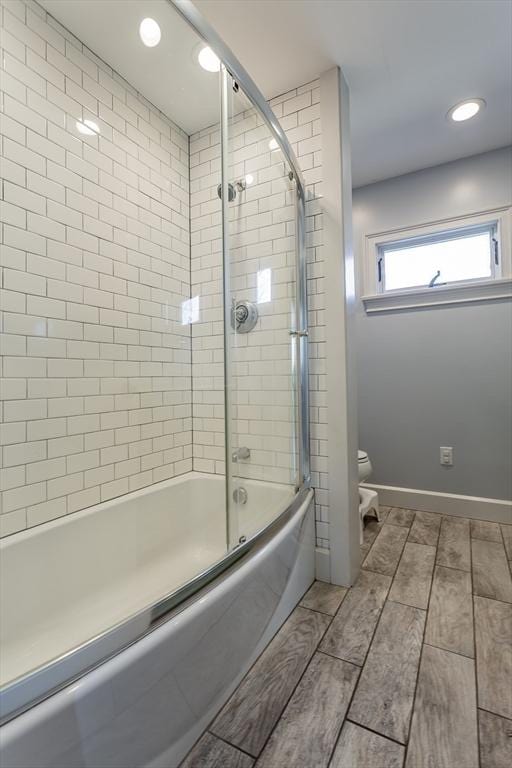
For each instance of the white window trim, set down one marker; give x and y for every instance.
(499, 287)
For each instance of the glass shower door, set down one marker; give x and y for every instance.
(259, 197)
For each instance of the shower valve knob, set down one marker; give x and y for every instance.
(244, 316)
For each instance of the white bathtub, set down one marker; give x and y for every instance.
(76, 590)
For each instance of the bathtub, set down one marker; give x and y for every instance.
(109, 660)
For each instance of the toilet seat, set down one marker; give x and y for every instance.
(364, 466)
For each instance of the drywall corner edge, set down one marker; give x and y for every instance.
(342, 435)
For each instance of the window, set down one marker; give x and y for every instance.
(449, 262)
(439, 259)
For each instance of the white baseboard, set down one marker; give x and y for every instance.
(495, 510)
(322, 564)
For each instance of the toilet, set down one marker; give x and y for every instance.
(368, 499)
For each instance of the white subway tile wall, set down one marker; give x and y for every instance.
(95, 264)
(261, 237)
(262, 269)
(106, 233)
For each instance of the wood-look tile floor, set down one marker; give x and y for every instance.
(410, 668)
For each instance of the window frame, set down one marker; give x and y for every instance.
(498, 285)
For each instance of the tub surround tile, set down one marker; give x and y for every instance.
(399, 516)
(425, 528)
(450, 612)
(360, 748)
(323, 597)
(443, 729)
(250, 715)
(411, 584)
(491, 574)
(307, 731)
(352, 628)
(211, 752)
(93, 292)
(495, 740)
(266, 232)
(386, 550)
(493, 637)
(385, 693)
(453, 548)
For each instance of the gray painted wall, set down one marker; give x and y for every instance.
(437, 376)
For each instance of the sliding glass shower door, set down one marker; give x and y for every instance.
(259, 197)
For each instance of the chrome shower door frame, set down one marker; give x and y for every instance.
(230, 65)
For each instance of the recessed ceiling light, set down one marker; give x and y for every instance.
(88, 127)
(149, 32)
(466, 109)
(208, 59)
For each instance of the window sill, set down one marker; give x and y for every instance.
(488, 290)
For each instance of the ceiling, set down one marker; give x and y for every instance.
(406, 64)
(168, 75)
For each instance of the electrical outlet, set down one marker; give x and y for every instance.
(446, 456)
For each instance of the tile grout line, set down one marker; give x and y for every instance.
(408, 739)
(334, 657)
(371, 730)
(224, 741)
(274, 727)
(449, 650)
(490, 712)
(208, 727)
(475, 665)
(451, 567)
(500, 526)
(370, 645)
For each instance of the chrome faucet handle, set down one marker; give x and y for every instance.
(241, 454)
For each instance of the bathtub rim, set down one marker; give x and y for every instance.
(30, 689)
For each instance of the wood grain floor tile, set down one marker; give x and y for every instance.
(385, 553)
(483, 529)
(425, 528)
(352, 629)
(307, 732)
(450, 612)
(384, 696)
(359, 748)
(323, 597)
(411, 584)
(491, 574)
(495, 740)
(506, 530)
(444, 722)
(210, 752)
(493, 636)
(251, 713)
(453, 547)
(399, 516)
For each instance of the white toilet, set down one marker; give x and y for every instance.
(368, 499)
